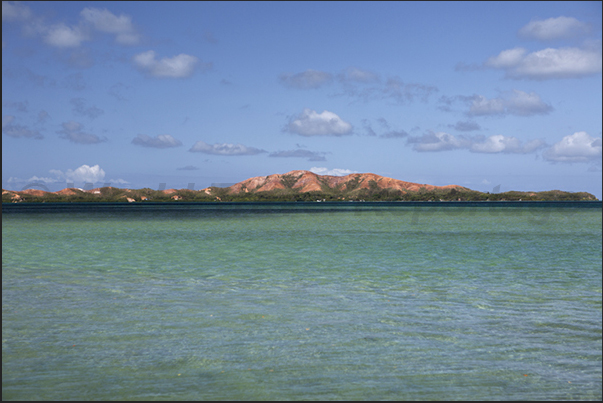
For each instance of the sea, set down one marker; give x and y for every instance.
(302, 301)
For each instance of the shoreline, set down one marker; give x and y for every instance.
(501, 204)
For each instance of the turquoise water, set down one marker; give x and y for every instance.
(301, 301)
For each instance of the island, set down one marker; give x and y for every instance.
(294, 186)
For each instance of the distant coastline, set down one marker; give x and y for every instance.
(117, 195)
(295, 186)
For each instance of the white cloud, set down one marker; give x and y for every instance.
(331, 172)
(12, 179)
(514, 103)
(311, 123)
(553, 28)
(63, 36)
(507, 58)
(578, 147)
(523, 104)
(548, 63)
(224, 149)
(437, 141)
(73, 132)
(105, 21)
(160, 141)
(308, 79)
(118, 181)
(43, 179)
(179, 66)
(12, 11)
(441, 141)
(484, 106)
(85, 173)
(310, 155)
(503, 144)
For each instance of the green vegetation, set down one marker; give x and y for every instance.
(354, 183)
(351, 192)
(289, 181)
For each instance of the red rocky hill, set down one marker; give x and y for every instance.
(306, 181)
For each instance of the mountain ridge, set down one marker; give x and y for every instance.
(308, 181)
(297, 185)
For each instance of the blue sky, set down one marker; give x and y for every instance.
(137, 94)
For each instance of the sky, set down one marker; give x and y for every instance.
(493, 96)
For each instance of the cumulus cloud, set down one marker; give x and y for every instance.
(437, 141)
(310, 155)
(548, 63)
(507, 58)
(224, 149)
(578, 147)
(514, 103)
(118, 181)
(441, 141)
(85, 173)
(311, 123)
(553, 28)
(160, 141)
(308, 79)
(42, 179)
(63, 36)
(179, 66)
(73, 131)
(79, 108)
(503, 144)
(331, 172)
(188, 168)
(105, 21)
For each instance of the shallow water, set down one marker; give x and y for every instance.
(301, 301)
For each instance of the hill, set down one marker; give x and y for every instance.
(306, 181)
(294, 186)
